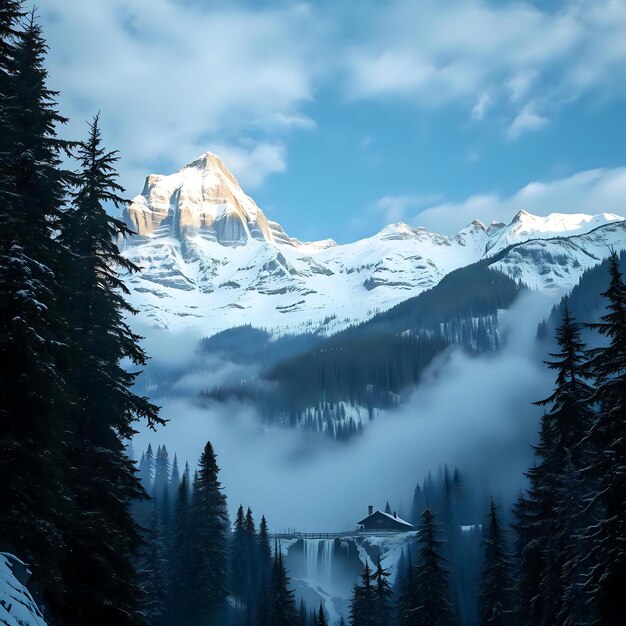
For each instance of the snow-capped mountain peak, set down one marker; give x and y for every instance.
(212, 259)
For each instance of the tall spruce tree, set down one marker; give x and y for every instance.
(181, 576)
(383, 595)
(558, 481)
(104, 536)
(265, 573)
(606, 440)
(209, 557)
(363, 604)
(33, 401)
(433, 606)
(238, 560)
(321, 617)
(281, 604)
(153, 572)
(495, 588)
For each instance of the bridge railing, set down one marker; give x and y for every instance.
(299, 535)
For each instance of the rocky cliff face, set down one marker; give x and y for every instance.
(212, 259)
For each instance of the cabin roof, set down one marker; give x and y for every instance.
(397, 519)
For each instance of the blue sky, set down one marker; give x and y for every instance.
(339, 117)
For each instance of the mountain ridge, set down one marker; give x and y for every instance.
(212, 258)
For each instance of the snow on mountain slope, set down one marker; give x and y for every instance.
(17, 607)
(211, 258)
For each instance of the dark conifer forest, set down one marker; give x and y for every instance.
(115, 540)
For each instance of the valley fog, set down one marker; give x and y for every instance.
(471, 412)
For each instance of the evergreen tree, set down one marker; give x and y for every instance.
(432, 595)
(174, 479)
(405, 590)
(209, 558)
(382, 612)
(103, 535)
(606, 567)
(238, 561)
(528, 565)
(321, 617)
(33, 401)
(303, 618)
(496, 579)
(252, 565)
(153, 572)
(161, 472)
(181, 575)
(281, 604)
(265, 573)
(363, 605)
(146, 470)
(557, 481)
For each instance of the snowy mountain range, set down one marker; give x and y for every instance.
(213, 260)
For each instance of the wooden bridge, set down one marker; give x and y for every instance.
(292, 534)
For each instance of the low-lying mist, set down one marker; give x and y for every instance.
(472, 412)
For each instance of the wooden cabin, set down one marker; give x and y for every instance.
(386, 522)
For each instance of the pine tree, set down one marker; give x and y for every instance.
(174, 479)
(33, 401)
(383, 593)
(281, 604)
(321, 617)
(606, 440)
(209, 559)
(161, 472)
(363, 605)
(181, 575)
(557, 481)
(496, 578)
(146, 470)
(265, 573)
(405, 593)
(238, 561)
(252, 565)
(303, 618)
(432, 595)
(103, 535)
(153, 572)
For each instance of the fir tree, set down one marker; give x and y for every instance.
(382, 612)
(174, 479)
(265, 573)
(103, 535)
(238, 561)
(153, 572)
(432, 595)
(33, 399)
(281, 604)
(209, 559)
(606, 440)
(321, 617)
(496, 578)
(181, 576)
(558, 493)
(363, 605)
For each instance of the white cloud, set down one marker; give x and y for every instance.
(592, 191)
(176, 78)
(527, 119)
(480, 108)
(436, 53)
(251, 165)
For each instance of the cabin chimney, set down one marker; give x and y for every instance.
(395, 514)
(370, 509)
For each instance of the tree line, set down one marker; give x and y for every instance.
(567, 564)
(67, 405)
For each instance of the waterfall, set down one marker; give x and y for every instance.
(318, 556)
